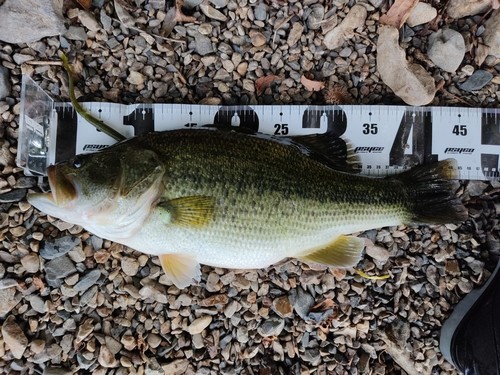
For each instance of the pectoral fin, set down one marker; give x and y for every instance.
(181, 269)
(195, 211)
(345, 251)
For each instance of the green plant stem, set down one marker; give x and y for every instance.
(100, 125)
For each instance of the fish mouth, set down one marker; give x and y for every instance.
(62, 188)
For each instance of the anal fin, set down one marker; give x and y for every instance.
(345, 251)
(181, 269)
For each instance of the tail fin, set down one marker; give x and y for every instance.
(433, 193)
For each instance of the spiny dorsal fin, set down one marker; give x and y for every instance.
(194, 211)
(181, 269)
(331, 150)
(344, 251)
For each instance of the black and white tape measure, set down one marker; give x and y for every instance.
(386, 138)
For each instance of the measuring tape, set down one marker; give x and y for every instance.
(387, 139)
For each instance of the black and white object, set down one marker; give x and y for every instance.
(387, 139)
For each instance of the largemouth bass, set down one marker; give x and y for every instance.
(235, 200)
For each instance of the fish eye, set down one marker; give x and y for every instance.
(77, 162)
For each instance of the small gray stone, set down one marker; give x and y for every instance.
(203, 45)
(260, 11)
(13, 196)
(376, 3)
(76, 33)
(38, 304)
(316, 16)
(20, 58)
(4, 82)
(28, 21)
(88, 296)
(446, 49)
(57, 269)
(58, 247)
(422, 13)
(271, 327)
(302, 302)
(87, 281)
(477, 81)
(476, 188)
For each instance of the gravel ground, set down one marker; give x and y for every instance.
(74, 303)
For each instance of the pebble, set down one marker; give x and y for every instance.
(211, 12)
(315, 16)
(84, 330)
(491, 35)
(4, 82)
(271, 327)
(130, 266)
(476, 188)
(106, 358)
(258, 39)
(13, 196)
(176, 367)
(378, 252)
(212, 284)
(477, 81)
(283, 307)
(295, 33)
(88, 20)
(52, 249)
(154, 340)
(76, 33)
(58, 269)
(260, 11)
(199, 324)
(203, 45)
(9, 298)
(31, 263)
(446, 49)
(136, 78)
(38, 304)
(464, 8)
(20, 58)
(43, 17)
(14, 337)
(336, 37)
(87, 281)
(422, 13)
(302, 302)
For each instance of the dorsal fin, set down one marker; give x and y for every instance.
(331, 150)
(326, 148)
